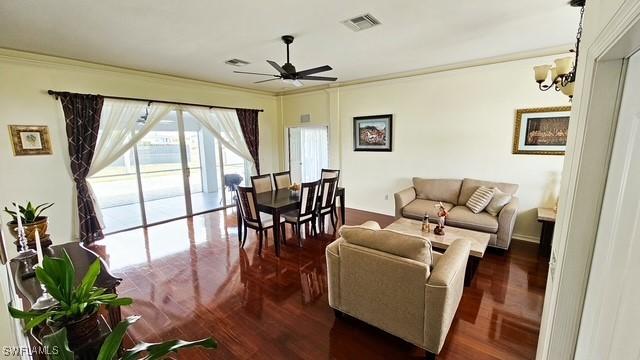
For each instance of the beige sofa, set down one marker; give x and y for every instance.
(395, 282)
(453, 193)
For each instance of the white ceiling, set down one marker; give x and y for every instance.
(193, 38)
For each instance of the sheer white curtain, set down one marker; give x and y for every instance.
(314, 149)
(120, 130)
(225, 126)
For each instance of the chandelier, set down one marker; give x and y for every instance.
(563, 74)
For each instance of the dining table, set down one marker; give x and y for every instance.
(279, 201)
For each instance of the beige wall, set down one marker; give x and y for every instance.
(456, 123)
(23, 100)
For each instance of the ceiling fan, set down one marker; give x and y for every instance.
(288, 72)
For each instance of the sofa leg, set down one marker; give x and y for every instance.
(429, 356)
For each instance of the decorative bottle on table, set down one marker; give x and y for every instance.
(426, 227)
(442, 215)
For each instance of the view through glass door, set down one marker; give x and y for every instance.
(178, 169)
(308, 152)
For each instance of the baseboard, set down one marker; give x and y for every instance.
(527, 238)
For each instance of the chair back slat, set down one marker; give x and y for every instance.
(329, 173)
(328, 192)
(248, 203)
(261, 183)
(308, 197)
(282, 180)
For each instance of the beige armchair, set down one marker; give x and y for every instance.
(395, 282)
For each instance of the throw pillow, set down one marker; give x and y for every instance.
(480, 199)
(500, 200)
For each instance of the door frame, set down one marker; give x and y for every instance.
(591, 136)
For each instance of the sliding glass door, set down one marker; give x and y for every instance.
(178, 169)
(160, 163)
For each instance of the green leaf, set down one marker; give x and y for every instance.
(88, 280)
(41, 209)
(119, 302)
(111, 344)
(37, 320)
(19, 314)
(70, 273)
(160, 350)
(57, 345)
(49, 283)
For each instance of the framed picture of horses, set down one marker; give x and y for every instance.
(373, 133)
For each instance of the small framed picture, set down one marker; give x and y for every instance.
(30, 140)
(541, 131)
(372, 133)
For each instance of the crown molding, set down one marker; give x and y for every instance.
(21, 57)
(556, 50)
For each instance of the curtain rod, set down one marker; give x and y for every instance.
(57, 93)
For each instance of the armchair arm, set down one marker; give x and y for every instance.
(403, 198)
(332, 252)
(443, 293)
(506, 222)
(450, 264)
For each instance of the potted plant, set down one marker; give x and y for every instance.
(77, 308)
(32, 219)
(110, 349)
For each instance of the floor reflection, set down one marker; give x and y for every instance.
(189, 279)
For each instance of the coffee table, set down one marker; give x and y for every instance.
(479, 241)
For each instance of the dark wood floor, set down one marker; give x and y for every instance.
(189, 279)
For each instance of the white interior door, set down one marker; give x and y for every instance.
(608, 329)
(308, 152)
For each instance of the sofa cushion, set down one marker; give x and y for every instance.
(480, 199)
(445, 190)
(500, 200)
(462, 217)
(469, 186)
(408, 246)
(418, 207)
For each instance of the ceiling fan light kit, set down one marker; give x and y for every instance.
(287, 72)
(563, 74)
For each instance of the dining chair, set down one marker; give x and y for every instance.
(261, 183)
(254, 219)
(329, 173)
(282, 180)
(306, 213)
(327, 200)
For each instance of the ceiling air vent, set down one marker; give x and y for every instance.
(236, 62)
(361, 22)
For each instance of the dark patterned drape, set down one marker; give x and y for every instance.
(82, 116)
(249, 125)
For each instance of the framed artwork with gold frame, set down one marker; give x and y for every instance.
(541, 131)
(30, 140)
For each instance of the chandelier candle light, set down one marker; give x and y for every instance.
(563, 74)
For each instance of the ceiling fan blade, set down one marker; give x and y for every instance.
(254, 73)
(321, 78)
(261, 81)
(314, 70)
(277, 67)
